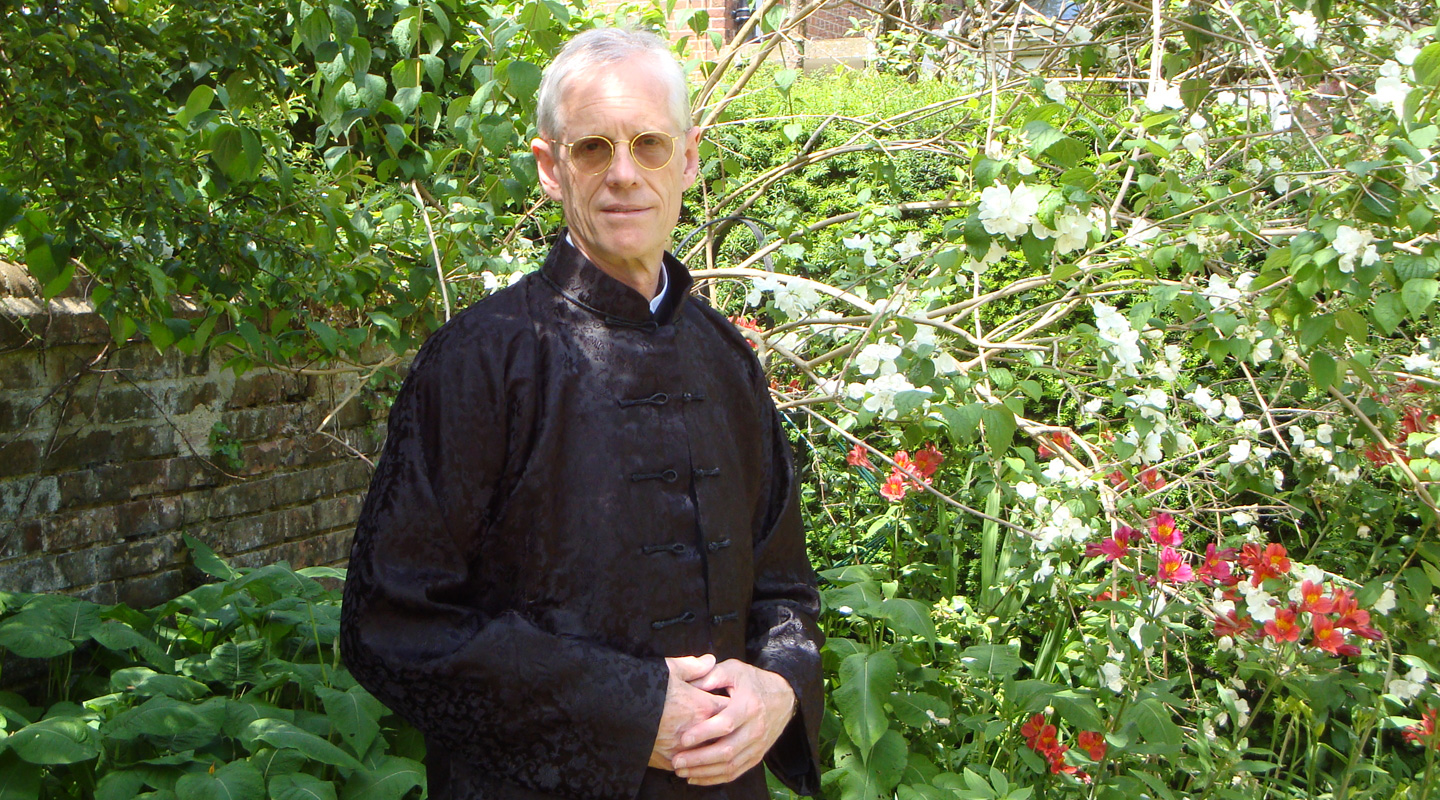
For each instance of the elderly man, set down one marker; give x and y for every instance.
(580, 570)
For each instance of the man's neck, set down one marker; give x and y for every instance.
(647, 280)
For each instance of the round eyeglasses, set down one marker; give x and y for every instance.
(592, 155)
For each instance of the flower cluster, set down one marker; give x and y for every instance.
(1044, 738)
(909, 472)
(1423, 732)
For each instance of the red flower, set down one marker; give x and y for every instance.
(1231, 625)
(1327, 636)
(1283, 628)
(928, 460)
(859, 457)
(1173, 568)
(1119, 481)
(1357, 621)
(1423, 732)
(1119, 594)
(748, 324)
(1114, 548)
(1032, 728)
(893, 489)
(1415, 420)
(1060, 440)
(1313, 599)
(1271, 564)
(1093, 743)
(1216, 568)
(1163, 531)
(1150, 478)
(1379, 455)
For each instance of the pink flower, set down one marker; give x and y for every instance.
(859, 457)
(1173, 567)
(1313, 599)
(1216, 568)
(928, 460)
(893, 489)
(1329, 638)
(1163, 530)
(1114, 548)
(1093, 743)
(1284, 628)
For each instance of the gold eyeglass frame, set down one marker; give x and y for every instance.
(571, 160)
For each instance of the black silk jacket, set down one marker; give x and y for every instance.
(571, 490)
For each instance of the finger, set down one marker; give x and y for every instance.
(689, 668)
(716, 727)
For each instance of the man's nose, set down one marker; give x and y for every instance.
(623, 169)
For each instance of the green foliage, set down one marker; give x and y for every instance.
(233, 690)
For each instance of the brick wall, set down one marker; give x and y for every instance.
(105, 459)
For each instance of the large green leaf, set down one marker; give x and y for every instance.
(55, 740)
(301, 787)
(236, 662)
(1152, 719)
(1418, 294)
(866, 680)
(33, 635)
(237, 780)
(992, 660)
(18, 780)
(356, 715)
(908, 616)
(119, 785)
(389, 779)
(281, 734)
(147, 682)
(999, 424)
(167, 722)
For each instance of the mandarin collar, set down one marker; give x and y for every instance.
(586, 286)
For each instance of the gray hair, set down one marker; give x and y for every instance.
(601, 46)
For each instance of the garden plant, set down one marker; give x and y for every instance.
(1110, 373)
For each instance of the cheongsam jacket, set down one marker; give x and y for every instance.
(571, 490)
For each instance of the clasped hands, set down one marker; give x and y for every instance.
(710, 738)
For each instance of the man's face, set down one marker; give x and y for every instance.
(622, 217)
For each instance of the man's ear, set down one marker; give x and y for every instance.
(692, 156)
(548, 166)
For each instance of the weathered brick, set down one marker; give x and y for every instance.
(194, 395)
(103, 593)
(337, 512)
(266, 422)
(242, 498)
(92, 448)
(125, 403)
(255, 532)
(262, 388)
(19, 538)
(263, 458)
(22, 412)
(349, 476)
(38, 573)
(112, 483)
(28, 497)
(190, 472)
(22, 369)
(300, 487)
(19, 457)
(142, 362)
(63, 363)
(75, 529)
(149, 516)
(137, 557)
(354, 413)
(153, 590)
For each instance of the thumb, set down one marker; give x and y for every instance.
(689, 668)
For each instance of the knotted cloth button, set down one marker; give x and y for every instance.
(669, 476)
(676, 548)
(719, 618)
(657, 399)
(707, 473)
(686, 618)
(720, 545)
(692, 397)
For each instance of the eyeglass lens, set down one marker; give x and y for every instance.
(651, 150)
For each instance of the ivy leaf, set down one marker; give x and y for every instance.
(1418, 294)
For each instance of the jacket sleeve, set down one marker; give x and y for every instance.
(783, 636)
(430, 630)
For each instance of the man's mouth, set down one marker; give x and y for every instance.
(625, 209)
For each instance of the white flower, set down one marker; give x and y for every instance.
(1390, 89)
(1307, 29)
(909, 247)
(758, 286)
(1404, 689)
(880, 394)
(1055, 90)
(1249, 427)
(1352, 243)
(1240, 451)
(1219, 291)
(1093, 406)
(877, 358)
(1232, 407)
(1282, 184)
(945, 364)
(865, 246)
(1008, 211)
(796, 300)
(1194, 141)
(1112, 52)
(490, 280)
(1419, 362)
(1079, 34)
(1110, 676)
(1142, 232)
(1407, 55)
(1163, 95)
(1027, 490)
(1025, 166)
(1072, 232)
(1324, 433)
(1046, 569)
(1211, 406)
(1151, 451)
(1386, 602)
(1063, 525)
(1345, 477)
